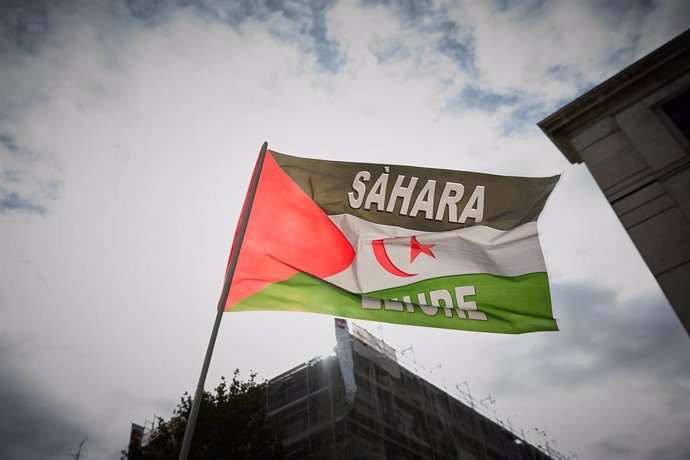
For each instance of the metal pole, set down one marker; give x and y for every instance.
(196, 403)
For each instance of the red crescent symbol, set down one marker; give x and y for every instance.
(385, 261)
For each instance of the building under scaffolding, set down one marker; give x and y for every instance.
(394, 413)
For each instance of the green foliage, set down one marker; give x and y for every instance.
(231, 424)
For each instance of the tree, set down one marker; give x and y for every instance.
(232, 424)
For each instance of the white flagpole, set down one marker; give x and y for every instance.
(196, 403)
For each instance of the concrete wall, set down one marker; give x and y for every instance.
(640, 160)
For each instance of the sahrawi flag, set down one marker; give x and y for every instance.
(399, 244)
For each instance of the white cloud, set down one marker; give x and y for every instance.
(152, 131)
(551, 50)
(667, 20)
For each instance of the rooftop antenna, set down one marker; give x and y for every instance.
(488, 398)
(554, 450)
(443, 381)
(414, 358)
(542, 432)
(508, 421)
(469, 395)
(438, 366)
(486, 405)
(78, 454)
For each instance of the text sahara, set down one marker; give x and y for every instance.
(424, 202)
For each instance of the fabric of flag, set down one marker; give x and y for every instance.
(398, 244)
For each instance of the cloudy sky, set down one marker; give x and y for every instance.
(128, 133)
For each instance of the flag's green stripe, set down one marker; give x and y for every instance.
(524, 302)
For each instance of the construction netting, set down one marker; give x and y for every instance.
(396, 414)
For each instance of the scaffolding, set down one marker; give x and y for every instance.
(396, 413)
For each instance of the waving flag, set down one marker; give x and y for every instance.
(399, 244)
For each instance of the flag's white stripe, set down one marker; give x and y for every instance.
(476, 249)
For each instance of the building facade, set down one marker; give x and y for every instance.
(394, 414)
(633, 133)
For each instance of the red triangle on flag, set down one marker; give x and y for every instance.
(287, 233)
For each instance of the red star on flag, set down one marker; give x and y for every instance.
(416, 247)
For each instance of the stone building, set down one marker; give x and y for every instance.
(633, 133)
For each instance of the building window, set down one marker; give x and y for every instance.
(677, 109)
